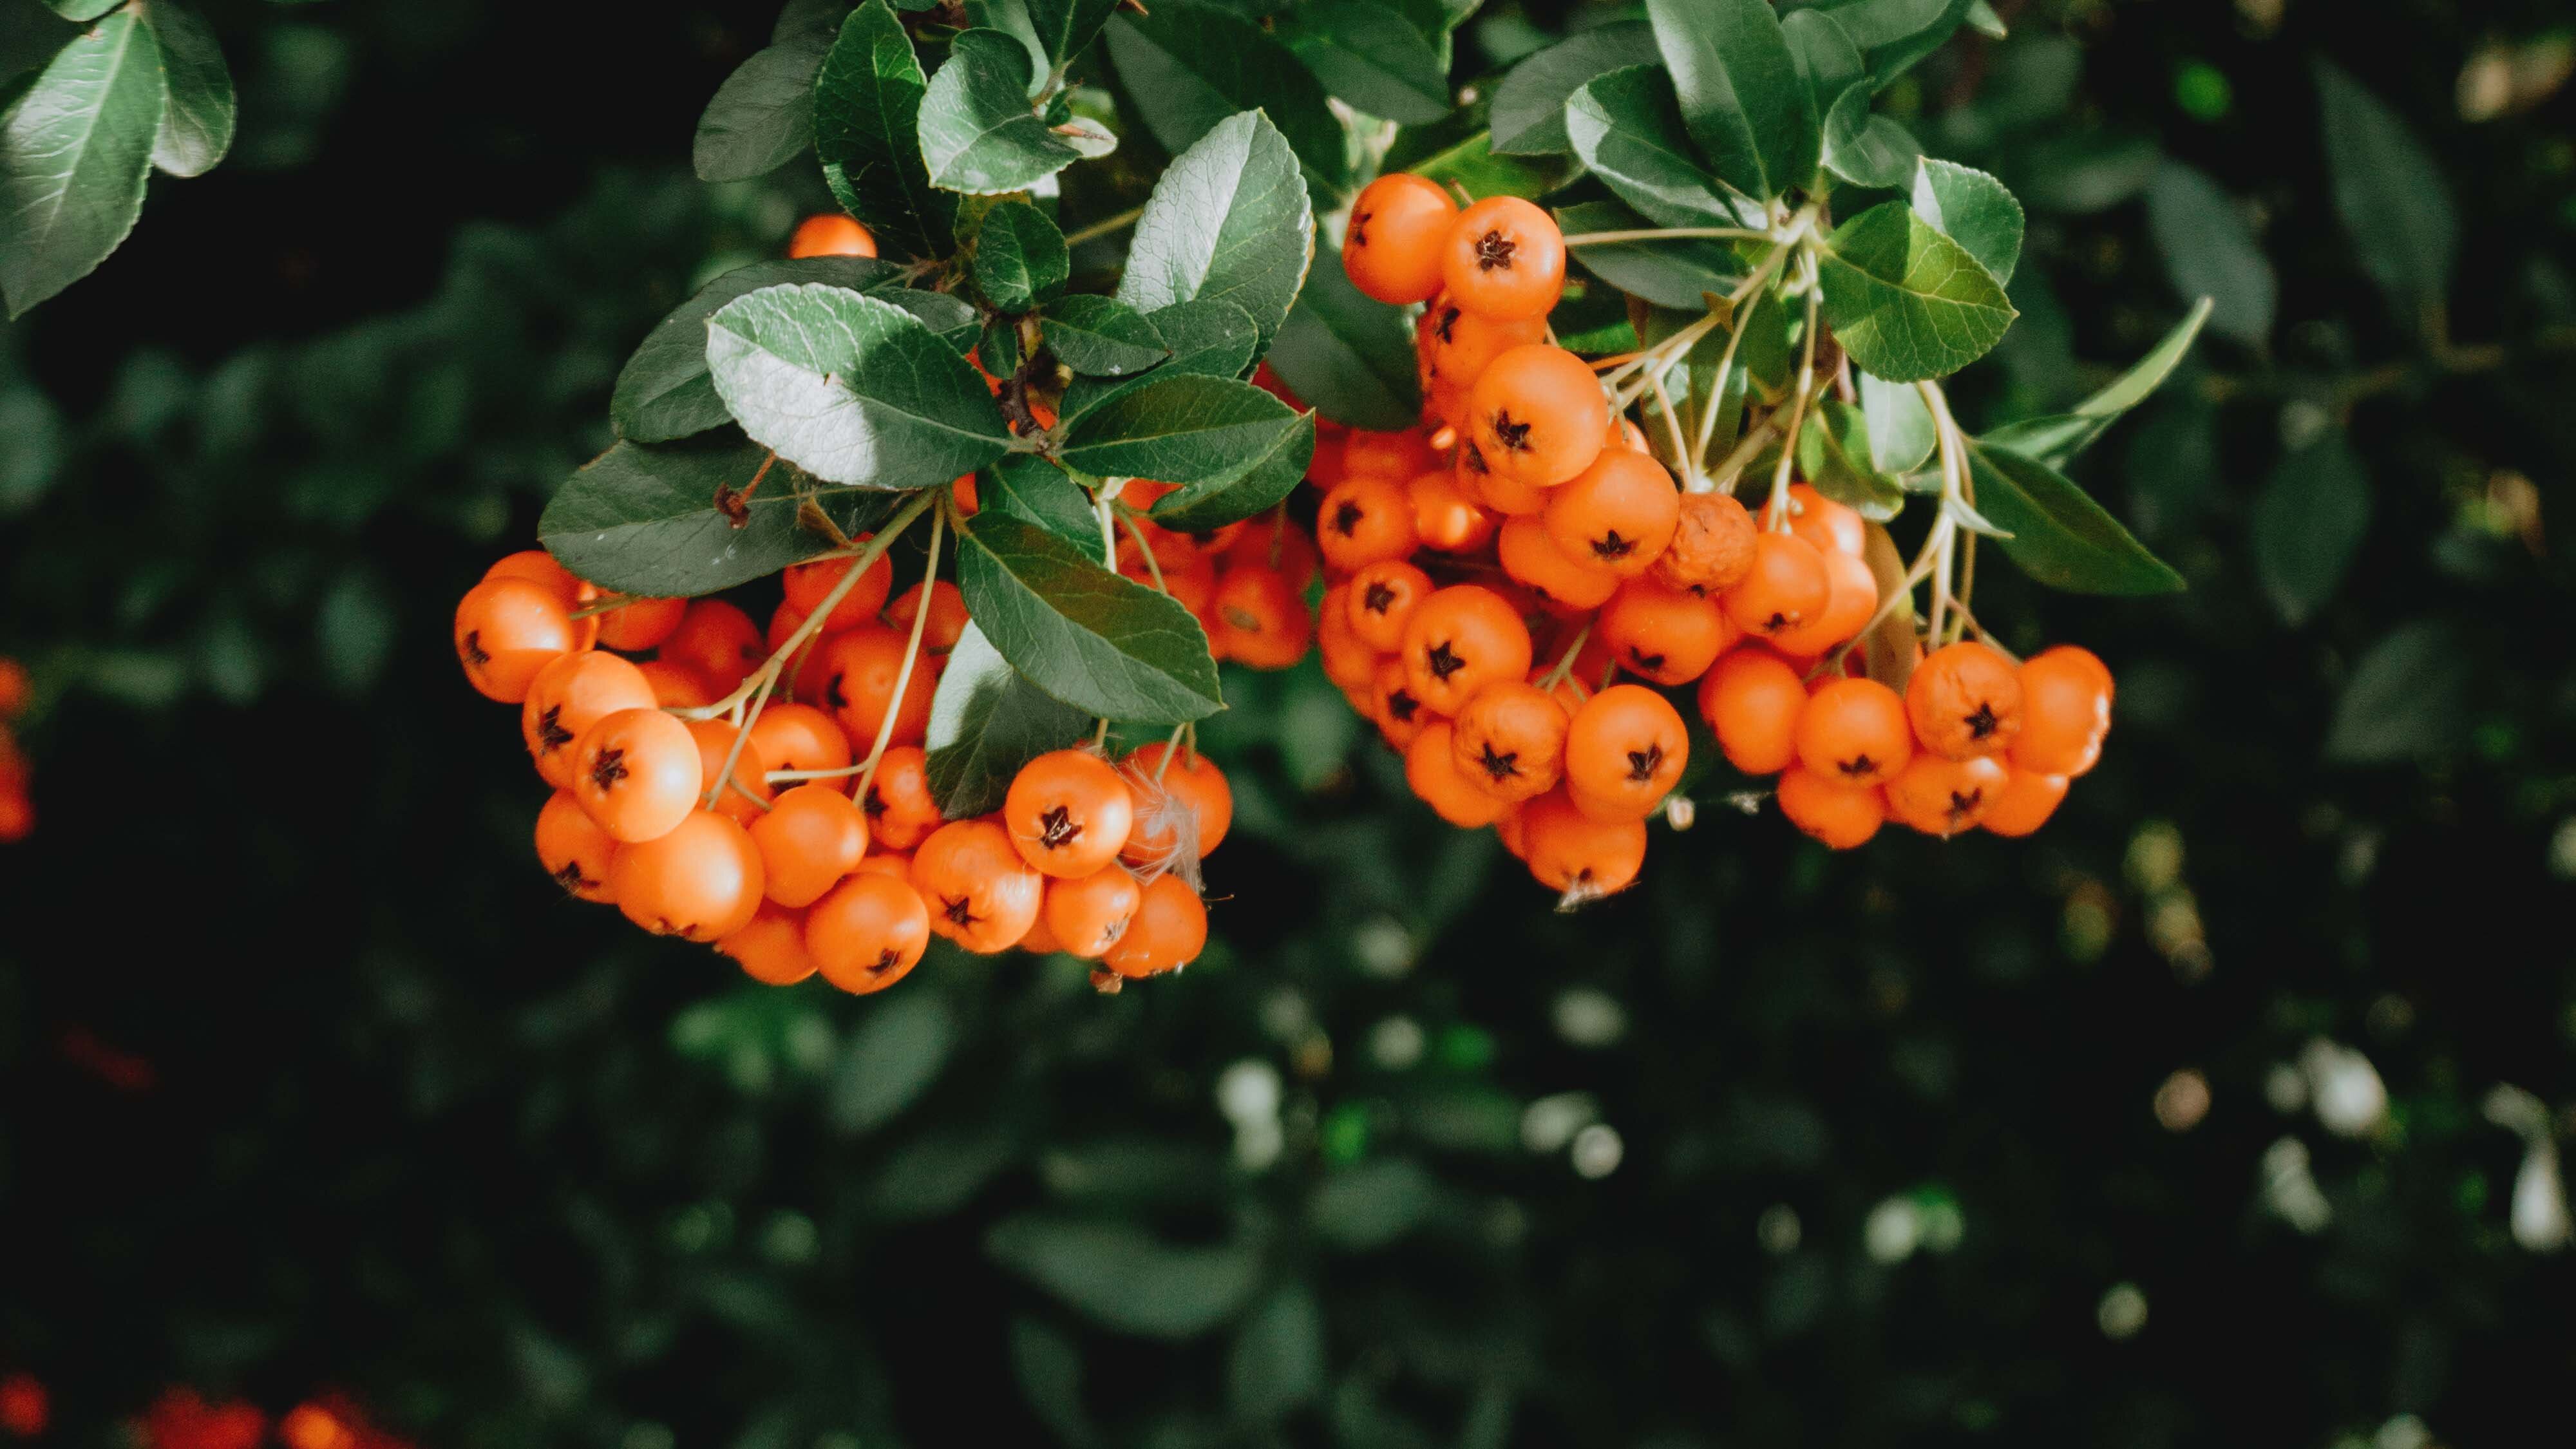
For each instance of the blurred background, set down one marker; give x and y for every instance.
(2228, 1108)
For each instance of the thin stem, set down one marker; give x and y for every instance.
(1672, 424)
(1903, 593)
(1722, 478)
(1171, 747)
(1104, 227)
(911, 654)
(1698, 479)
(1953, 473)
(1153, 565)
(604, 604)
(1776, 512)
(1565, 663)
(1677, 233)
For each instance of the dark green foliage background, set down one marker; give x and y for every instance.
(514, 1174)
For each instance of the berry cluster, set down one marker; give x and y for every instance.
(1496, 571)
(17, 811)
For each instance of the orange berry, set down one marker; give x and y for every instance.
(1166, 933)
(1663, 634)
(1504, 257)
(573, 849)
(637, 773)
(963, 491)
(1444, 517)
(1398, 455)
(718, 641)
(1393, 247)
(506, 630)
(1829, 526)
(1350, 661)
(1851, 598)
(804, 670)
(1379, 598)
(1185, 807)
(1510, 740)
(2028, 799)
(1619, 514)
(1624, 752)
(900, 808)
(868, 933)
(809, 584)
(1271, 543)
(811, 838)
(700, 879)
(1571, 852)
(676, 686)
(539, 567)
(1432, 772)
(1965, 701)
(1712, 544)
(1040, 939)
(770, 947)
(1854, 732)
(981, 894)
(1839, 815)
(1458, 345)
(1087, 914)
(1459, 640)
(641, 623)
(1530, 557)
(947, 615)
(1752, 699)
(1363, 520)
(1399, 713)
(15, 688)
(2066, 710)
(568, 696)
(1507, 496)
(830, 234)
(1786, 586)
(896, 864)
(746, 790)
(860, 673)
(1538, 415)
(801, 737)
(1261, 623)
(1068, 812)
(1943, 797)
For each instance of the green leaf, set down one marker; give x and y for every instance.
(815, 22)
(1826, 58)
(867, 109)
(762, 117)
(1278, 1361)
(1031, 488)
(1207, 339)
(197, 124)
(1371, 1204)
(1973, 209)
(1901, 431)
(2087, 172)
(892, 1058)
(1125, 1279)
(1867, 149)
(1528, 115)
(978, 134)
(2307, 525)
(1459, 151)
(1049, 1368)
(1894, 34)
(850, 388)
(1740, 91)
(1192, 68)
(951, 319)
(1907, 302)
(2060, 536)
(1011, 17)
(665, 392)
(2389, 191)
(2408, 698)
(2056, 440)
(75, 145)
(985, 723)
(1348, 355)
(1255, 486)
(1020, 257)
(1667, 273)
(28, 38)
(643, 520)
(1179, 429)
(1834, 454)
(1102, 336)
(1229, 221)
(998, 350)
(1627, 126)
(1983, 19)
(1372, 58)
(1104, 644)
(83, 11)
(2210, 252)
(1064, 27)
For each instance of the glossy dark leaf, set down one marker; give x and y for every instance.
(1193, 67)
(197, 123)
(1179, 429)
(643, 520)
(1741, 95)
(1348, 355)
(1229, 221)
(75, 145)
(1627, 126)
(1973, 209)
(2060, 536)
(1101, 643)
(2056, 440)
(1253, 487)
(1907, 302)
(867, 109)
(664, 391)
(1370, 57)
(1528, 115)
(1894, 34)
(1867, 149)
(1677, 273)
(978, 132)
(1020, 257)
(1064, 27)
(762, 117)
(1037, 491)
(985, 723)
(1102, 336)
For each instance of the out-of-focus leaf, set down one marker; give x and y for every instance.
(2408, 697)
(2307, 525)
(985, 723)
(1126, 1279)
(1528, 115)
(2391, 195)
(2210, 252)
(1101, 643)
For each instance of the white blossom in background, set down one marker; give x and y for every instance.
(2122, 1312)
(2290, 1189)
(2345, 1088)
(1598, 1150)
(2539, 1213)
(1586, 1017)
(1893, 1230)
(1549, 1123)
(1248, 1094)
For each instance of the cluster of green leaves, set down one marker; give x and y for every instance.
(94, 96)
